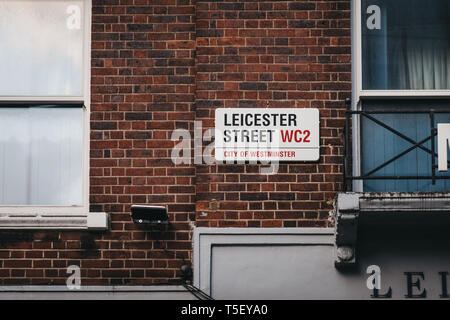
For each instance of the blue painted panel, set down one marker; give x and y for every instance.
(379, 145)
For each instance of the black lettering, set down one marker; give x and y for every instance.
(262, 136)
(227, 137)
(245, 135)
(292, 120)
(260, 119)
(235, 119)
(248, 122)
(376, 294)
(254, 136)
(416, 284)
(444, 294)
(226, 120)
(257, 119)
(235, 135)
(283, 120)
(275, 116)
(266, 118)
(270, 134)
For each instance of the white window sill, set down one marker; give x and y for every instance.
(395, 201)
(87, 221)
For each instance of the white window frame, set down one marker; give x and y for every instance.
(58, 216)
(359, 94)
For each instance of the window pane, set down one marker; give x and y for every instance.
(41, 47)
(405, 44)
(41, 156)
(379, 145)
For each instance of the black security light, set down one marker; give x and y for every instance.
(150, 215)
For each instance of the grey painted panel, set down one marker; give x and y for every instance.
(277, 272)
(252, 266)
(205, 238)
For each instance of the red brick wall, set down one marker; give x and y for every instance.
(160, 65)
(273, 54)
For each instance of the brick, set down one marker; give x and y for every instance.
(159, 67)
(253, 196)
(252, 86)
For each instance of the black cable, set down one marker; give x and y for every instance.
(199, 294)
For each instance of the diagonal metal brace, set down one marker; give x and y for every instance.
(398, 133)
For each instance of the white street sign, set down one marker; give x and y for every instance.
(275, 134)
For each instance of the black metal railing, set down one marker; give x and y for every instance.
(368, 114)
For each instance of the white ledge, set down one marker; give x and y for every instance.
(122, 288)
(58, 292)
(87, 221)
(397, 201)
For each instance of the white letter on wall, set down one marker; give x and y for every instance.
(374, 280)
(443, 134)
(181, 153)
(74, 280)
(74, 20)
(374, 21)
